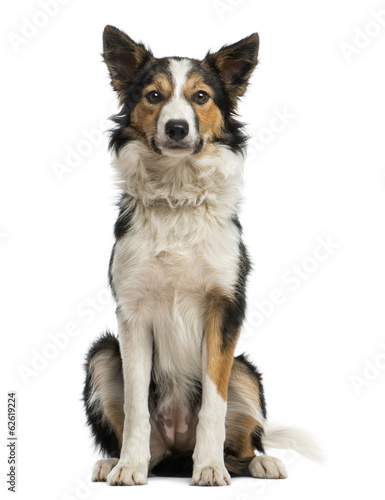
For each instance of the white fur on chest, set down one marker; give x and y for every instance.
(180, 245)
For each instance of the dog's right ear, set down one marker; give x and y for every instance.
(235, 64)
(123, 56)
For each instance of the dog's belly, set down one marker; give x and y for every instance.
(176, 428)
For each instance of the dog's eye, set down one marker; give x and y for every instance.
(154, 97)
(201, 97)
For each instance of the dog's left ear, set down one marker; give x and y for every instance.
(235, 63)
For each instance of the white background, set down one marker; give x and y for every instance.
(320, 176)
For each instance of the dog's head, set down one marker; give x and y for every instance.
(178, 106)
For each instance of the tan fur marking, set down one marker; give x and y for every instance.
(115, 415)
(245, 384)
(238, 434)
(219, 361)
(209, 116)
(144, 116)
(106, 371)
(242, 411)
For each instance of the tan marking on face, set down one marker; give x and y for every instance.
(145, 114)
(209, 116)
(219, 361)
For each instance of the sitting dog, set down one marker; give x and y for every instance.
(167, 396)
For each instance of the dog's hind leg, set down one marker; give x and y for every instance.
(103, 394)
(103, 399)
(246, 414)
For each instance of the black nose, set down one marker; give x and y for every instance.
(177, 129)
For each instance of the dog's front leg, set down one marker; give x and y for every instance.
(217, 359)
(135, 341)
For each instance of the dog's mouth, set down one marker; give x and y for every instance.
(173, 148)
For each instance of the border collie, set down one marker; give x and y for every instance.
(168, 397)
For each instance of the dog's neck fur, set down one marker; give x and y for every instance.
(211, 180)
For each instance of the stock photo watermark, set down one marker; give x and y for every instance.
(277, 124)
(291, 281)
(31, 26)
(370, 371)
(364, 35)
(3, 237)
(75, 154)
(83, 489)
(86, 313)
(225, 7)
(12, 442)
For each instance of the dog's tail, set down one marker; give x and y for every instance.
(277, 436)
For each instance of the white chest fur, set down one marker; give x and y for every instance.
(182, 243)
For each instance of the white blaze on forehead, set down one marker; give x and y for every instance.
(179, 71)
(178, 108)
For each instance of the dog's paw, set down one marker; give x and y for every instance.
(267, 468)
(102, 468)
(216, 475)
(125, 474)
